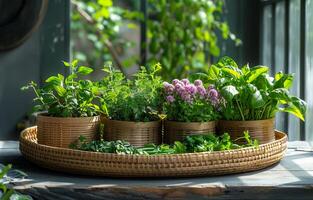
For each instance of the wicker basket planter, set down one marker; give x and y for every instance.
(172, 165)
(177, 131)
(136, 133)
(61, 132)
(262, 130)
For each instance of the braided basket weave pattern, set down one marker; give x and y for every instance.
(61, 131)
(262, 130)
(178, 131)
(174, 165)
(136, 133)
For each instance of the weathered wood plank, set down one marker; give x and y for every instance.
(292, 178)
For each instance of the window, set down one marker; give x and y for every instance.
(287, 45)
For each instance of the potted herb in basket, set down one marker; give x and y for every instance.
(132, 106)
(69, 107)
(190, 109)
(252, 97)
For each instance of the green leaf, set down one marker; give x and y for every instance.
(61, 77)
(60, 90)
(54, 80)
(179, 147)
(199, 56)
(66, 64)
(235, 72)
(264, 81)
(280, 94)
(283, 80)
(245, 69)
(198, 33)
(215, 50)
(84, 70)
(74, 63)
(3, 188)
(300, 104)
(229, 92)
(7, 195)
(251, 87)
(278, 75)
(293, 110)
(257, 100)
(213, 72)
(225, 30)
(255, 72)
(71, 77)
(246, 136)
(157, 67)
(5, 170)
(225, 61)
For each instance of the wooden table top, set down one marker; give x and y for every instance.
(292, 178)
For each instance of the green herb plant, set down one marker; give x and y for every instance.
(184, 34)
(193, 143)
(246, 137)
(251, 93)
(67, 96)
(153, 149)
(8, 193)
(96, 27)
(190, 102)
(132, 100)
(119, 147)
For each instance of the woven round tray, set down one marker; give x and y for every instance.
(174, 165)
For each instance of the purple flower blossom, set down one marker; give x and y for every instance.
(189, 92)
(166, 84)
(213, 93)
(176, 81)
(198, 82)
(185, 81)
(179, 88)
(201, 91)
(170, 99)
(186, 97)
(191, 89)
(169, 88)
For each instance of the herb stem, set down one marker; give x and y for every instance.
(266, 105)
(39, 97)
(241, 113)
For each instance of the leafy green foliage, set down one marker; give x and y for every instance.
(198, 111)
(132, 100)
(181, 31)
(67, 96)
(251, 94)
(211, 142)
(190, 102)
(5, 192)
(152, 149)
(193, 143)
(108, 18)
(119, 147)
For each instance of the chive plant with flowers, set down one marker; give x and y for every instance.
(190, 102)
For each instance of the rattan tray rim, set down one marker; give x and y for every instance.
(170, 165)
(162, 155)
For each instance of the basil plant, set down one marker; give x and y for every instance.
(250, 93)
(68, 96)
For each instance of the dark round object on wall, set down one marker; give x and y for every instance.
(18, 20)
